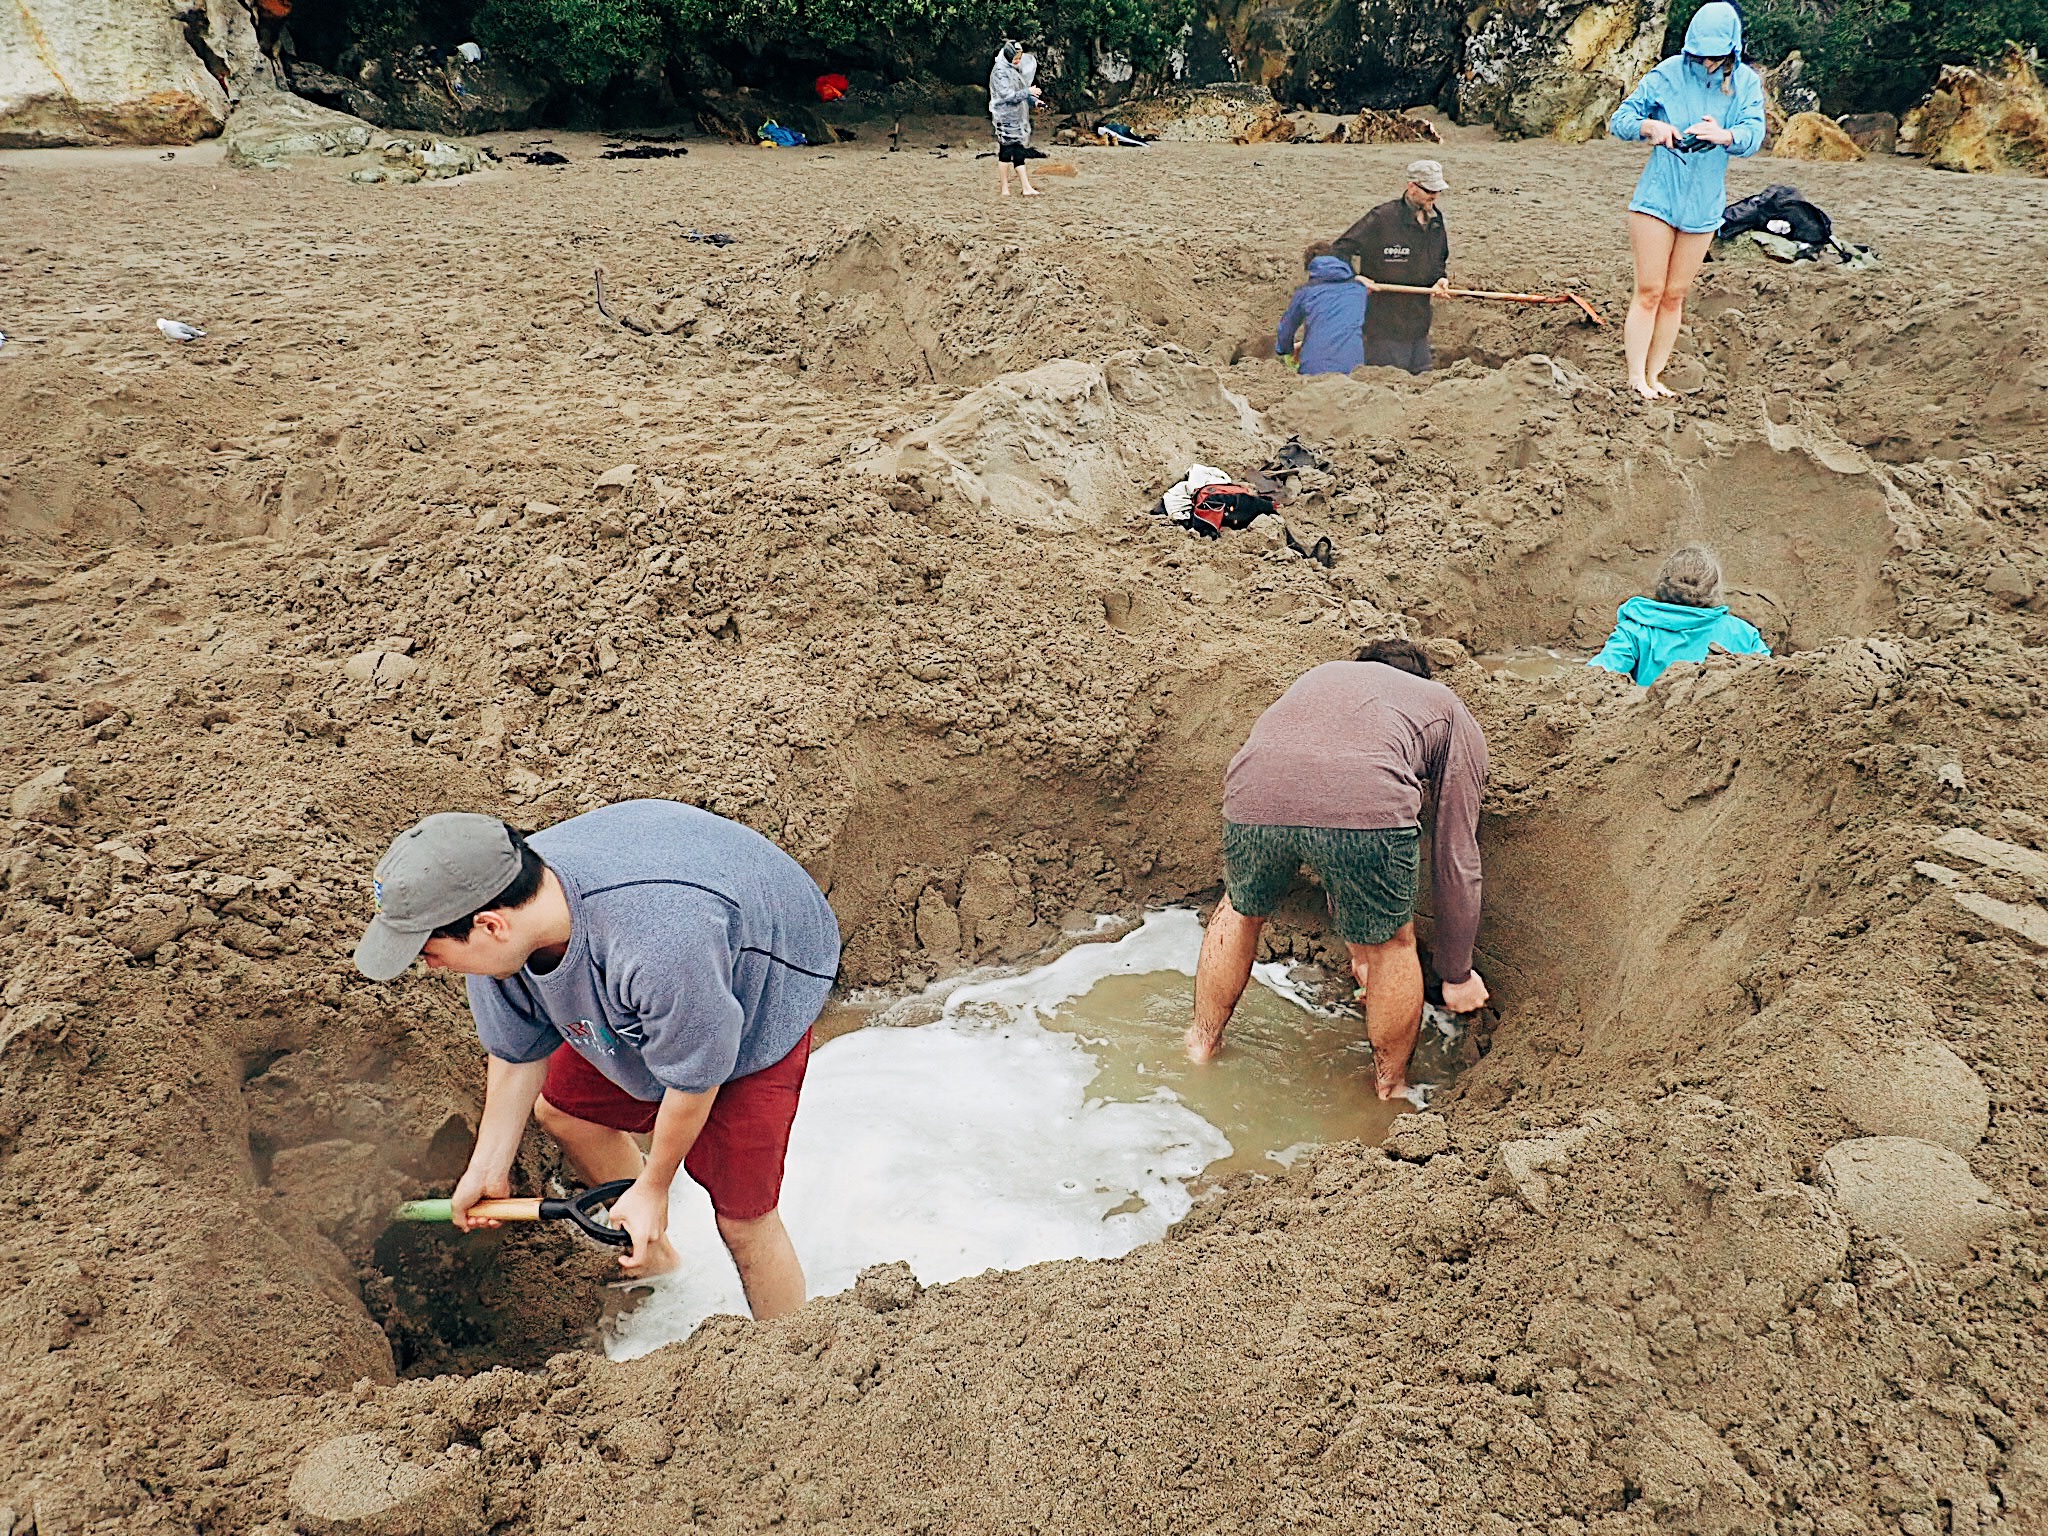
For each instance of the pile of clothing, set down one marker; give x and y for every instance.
(1788, 228)
(1206, 501)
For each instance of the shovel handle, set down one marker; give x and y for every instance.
(1487, 293)
(584, 1211)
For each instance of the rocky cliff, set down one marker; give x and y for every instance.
(120, 71)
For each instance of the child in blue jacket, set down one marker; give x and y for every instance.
(1332, 305)
(1696, 110)
(1683, 622)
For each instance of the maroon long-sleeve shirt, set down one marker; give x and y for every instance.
(1357, 744)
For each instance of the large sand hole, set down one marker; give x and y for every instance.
(1045, 1114)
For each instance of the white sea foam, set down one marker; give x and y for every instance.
(965, 1144)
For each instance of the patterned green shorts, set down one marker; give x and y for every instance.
(1368, 875)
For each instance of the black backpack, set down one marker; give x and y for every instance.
(1782, 206)
(1217, 507)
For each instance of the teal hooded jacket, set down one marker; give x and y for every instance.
(1687, 189)
(1650, 636)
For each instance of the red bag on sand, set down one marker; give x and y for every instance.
(830, 87)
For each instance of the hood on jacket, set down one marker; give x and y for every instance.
(1677, 618)
(1329, 269)
(1715, 29)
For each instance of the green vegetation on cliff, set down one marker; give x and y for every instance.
(583, 44)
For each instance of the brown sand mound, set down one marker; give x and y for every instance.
(418, 528)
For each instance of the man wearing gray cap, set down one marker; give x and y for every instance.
(1402, 241)
(644, 969)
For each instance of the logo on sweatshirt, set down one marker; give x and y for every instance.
(583, 1032)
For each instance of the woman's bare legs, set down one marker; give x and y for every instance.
(1688, 253)
(1650, 241)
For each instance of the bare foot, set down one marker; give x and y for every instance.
(1201, 1045)
(1647, 391)
(1664, 391)
(662, 1259)
(1006, 191)
(1031, 191)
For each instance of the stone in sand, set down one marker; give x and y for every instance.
(1921, 1196)
(1920, 1088)
(50, 797)
(359, 1485)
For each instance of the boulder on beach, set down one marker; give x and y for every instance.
(120, 71)
(1556, 70)
(1982, 120)
(1810, 136)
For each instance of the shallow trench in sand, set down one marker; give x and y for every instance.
(1005, 1119)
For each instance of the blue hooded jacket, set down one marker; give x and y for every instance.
(1688, 189)
(1332, 304)
(1650, 636)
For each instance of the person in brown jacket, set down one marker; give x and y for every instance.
(1333, 776)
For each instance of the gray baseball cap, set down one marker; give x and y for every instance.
(1428, 175)
(445, 868)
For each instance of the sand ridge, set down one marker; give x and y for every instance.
(1614, 1291)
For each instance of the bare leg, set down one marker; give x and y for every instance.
(1688, 254)
(1004, 166)
(1229, 947)
(1650, 241)
(1390, 975)
(767, 1262)
(599, 1155)
(1024, 181)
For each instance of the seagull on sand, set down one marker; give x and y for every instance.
(178, 330)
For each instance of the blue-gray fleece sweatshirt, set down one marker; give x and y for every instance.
(699, 952)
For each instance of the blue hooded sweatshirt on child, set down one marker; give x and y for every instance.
(1650, 636)
(1332, 303)
(1687, 189)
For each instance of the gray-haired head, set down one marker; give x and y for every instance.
(1691, 577)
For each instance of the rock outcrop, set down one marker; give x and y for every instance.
(1810, 136)
(121, 71)
(1977, 120)
(1557, 69)
(1390, 54)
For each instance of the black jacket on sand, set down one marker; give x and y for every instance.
(1391, 247)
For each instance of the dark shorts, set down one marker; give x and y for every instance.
(739, 1153)
(1383, 353)
(1010, 152)
(1369, 876)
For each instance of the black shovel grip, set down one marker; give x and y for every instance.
(581, 1209)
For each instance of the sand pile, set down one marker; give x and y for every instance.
(419, 529)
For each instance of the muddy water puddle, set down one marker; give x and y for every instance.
(1532, 663)
(1051, 1113)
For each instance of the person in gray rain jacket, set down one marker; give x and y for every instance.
(1011, 93)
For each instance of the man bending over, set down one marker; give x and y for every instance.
(645, 969)
(1334, 776)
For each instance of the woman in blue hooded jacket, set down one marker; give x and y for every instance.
(1696, 110)
(1332, 305)
(1683, 622)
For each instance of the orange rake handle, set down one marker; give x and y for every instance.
(1488, 293)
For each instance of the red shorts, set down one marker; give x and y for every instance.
(739, 1153)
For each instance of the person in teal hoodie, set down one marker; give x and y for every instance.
(1331, 304)
(1685, 621)
(1696, 109)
